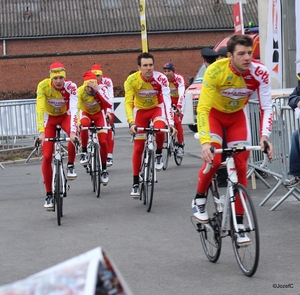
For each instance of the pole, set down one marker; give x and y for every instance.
(143, 25)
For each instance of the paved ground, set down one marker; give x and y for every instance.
(157, 252)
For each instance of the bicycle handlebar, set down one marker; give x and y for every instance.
(56, 139)
(96, 128)
(239, 149)
(152, 129)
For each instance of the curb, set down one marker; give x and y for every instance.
(21, 161)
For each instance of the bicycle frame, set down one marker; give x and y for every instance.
(148, 164)
(223, 221)
(232, 182)
(150, 145)
(229, 199)
(59, 181)
(93, 141)
(95, 163)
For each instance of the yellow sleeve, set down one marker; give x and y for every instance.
(40, 105)
(205, 103)
(129, 99)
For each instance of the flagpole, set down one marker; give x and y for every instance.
(143, 25)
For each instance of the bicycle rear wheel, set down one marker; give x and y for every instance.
(166, 151)
(247, 256)
(210, 232)
(58, 193)
(178, 160)
(148, 185)
(96, 172)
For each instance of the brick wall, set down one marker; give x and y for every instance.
(27, 61)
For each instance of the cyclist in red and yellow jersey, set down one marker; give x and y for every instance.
(93, 102)
(147, 96)
(227, 85)
(56, 104)
(177, 89)
(110, 116)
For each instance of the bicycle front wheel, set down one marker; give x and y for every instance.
(58, 193)
(166, 151)
(148, 185)
(96, 172)
(247, 255)
(178, 160)
(210, 232)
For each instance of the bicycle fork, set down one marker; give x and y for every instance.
(63, 180)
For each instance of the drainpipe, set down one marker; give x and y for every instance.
(4, 47)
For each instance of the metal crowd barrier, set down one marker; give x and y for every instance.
(284, 124)
(17, 124)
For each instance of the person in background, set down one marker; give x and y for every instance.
(56, 104)
(294, 103)
(147, 97)
(93, 102)
(209, 56)
(177, 89)
(104, 80)
(222, 52)
(227, 85)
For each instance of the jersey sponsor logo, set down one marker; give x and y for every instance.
(263, 74)
(147, 93)
(162, 80)
(234, 103)
(236, 93)
(248, 77)
(173, 91)
(91, 104)
(57, 103)
(72, 89)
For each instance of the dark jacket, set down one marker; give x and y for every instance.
(295, 97)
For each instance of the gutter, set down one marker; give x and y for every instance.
(116, 34)
(93, 52)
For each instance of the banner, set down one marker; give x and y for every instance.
(91, 273)
(273, 49)
(297, 11)
(238, 18)
(143, 25)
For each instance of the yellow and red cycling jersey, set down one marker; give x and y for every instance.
(142, 94)
(107, 82)
(228, 91)
(93, 103)
(56, 102)
(177, 89)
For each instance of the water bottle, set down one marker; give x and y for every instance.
(150, 142)
(220, 203)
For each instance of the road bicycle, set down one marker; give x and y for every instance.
(222, 215)
(171, 146)
(94, 166)
(148, 171)
(59, 180)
